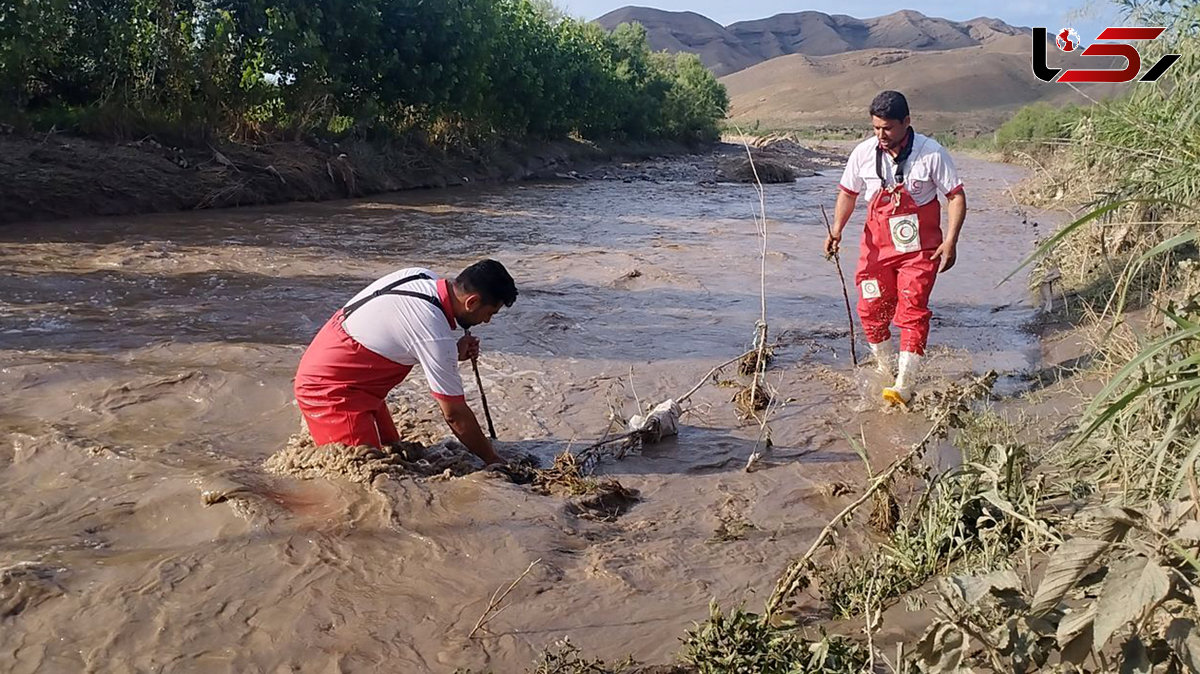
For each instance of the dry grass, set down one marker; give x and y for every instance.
(605, 499)
(751, 363)
(566, 476)
(751, 400)
(885, 512)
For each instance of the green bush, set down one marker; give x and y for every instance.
(1037, 127)
(739, 643)
(476, 68)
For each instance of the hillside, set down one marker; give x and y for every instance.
(719, 49)
(966, 90)
(728, 49)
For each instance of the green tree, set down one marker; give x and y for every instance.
(696, 102)
(477, 67)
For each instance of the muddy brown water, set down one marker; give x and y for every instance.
(145, 365)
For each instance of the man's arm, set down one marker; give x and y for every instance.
(841, 215)
(466, 428)
(945, 176)
(439, 359)
(956, 204)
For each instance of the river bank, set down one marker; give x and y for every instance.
(54, 176)
(61, 176)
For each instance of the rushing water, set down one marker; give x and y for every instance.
(145, 361)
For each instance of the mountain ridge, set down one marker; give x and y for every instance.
(814, 70)
(728, 49)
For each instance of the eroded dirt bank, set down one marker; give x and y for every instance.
(53, 176)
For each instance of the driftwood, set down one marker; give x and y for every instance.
(950, 407)
(493, 609)
(759, 398)
(751, 170)
(792, 580)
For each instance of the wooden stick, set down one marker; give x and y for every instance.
(682, 399)
(760, 328)
(637, 400)
(608, 440)
(487, 414)
(845, 292)
(763, 435)
(491, 611)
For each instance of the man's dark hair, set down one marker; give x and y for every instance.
(491, 281)
(890, 105)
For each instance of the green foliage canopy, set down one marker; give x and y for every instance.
(474, 68)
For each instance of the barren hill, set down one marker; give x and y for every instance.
(740, 45)
(719, 49)
(966, 90)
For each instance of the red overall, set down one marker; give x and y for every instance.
(341, 387)
(895, 273)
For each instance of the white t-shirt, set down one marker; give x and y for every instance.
(928, 171)
(410, 331)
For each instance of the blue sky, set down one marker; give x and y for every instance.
(1087, 17)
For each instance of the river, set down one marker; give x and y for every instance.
(147, 360)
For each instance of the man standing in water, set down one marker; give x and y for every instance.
(372, 343)
(901, 173)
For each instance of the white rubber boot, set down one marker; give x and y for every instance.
(885, 355)
(902, 391)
